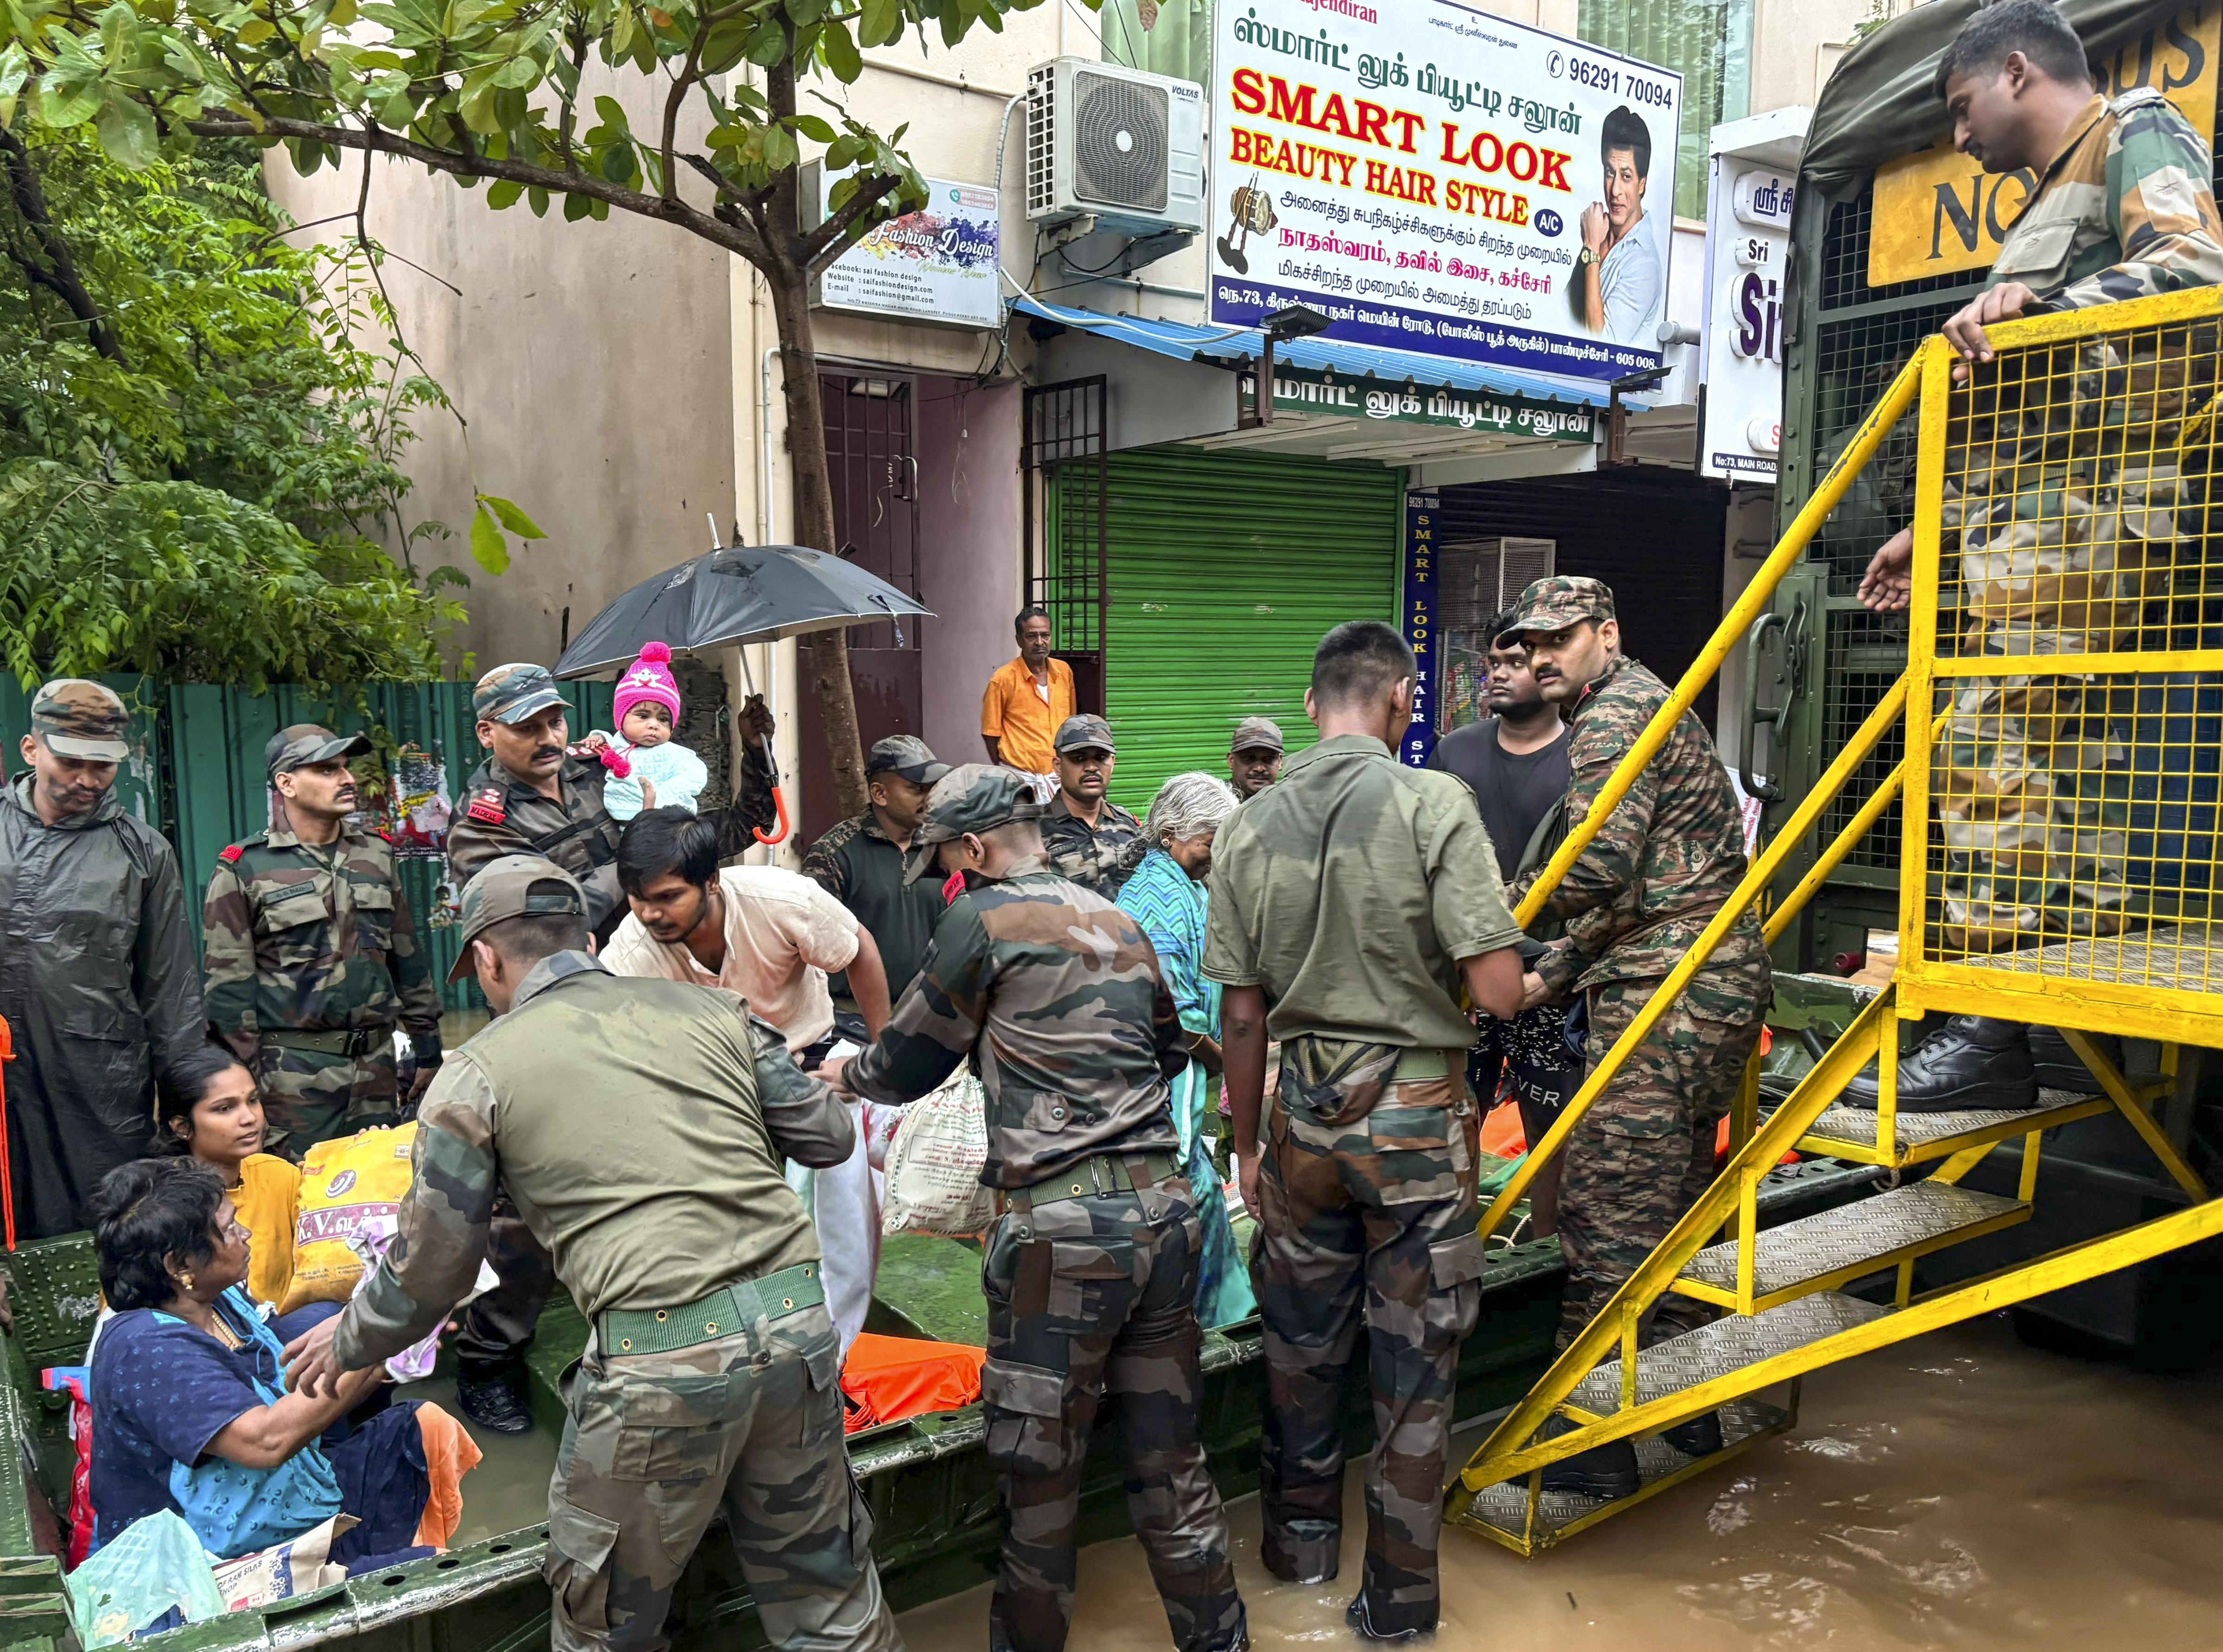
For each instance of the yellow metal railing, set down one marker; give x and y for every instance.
(2060, 519)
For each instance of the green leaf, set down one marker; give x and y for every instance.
(512, 518)
(503, 193)
(612, 113)
(15, 69)
(726, 43)
(488, 549)
(126, 132)
(848, 150)
(779, 149)
(882, 23)
(576, 206)
(770, 46)
(841, 53)
(67, 102)
(536, 198)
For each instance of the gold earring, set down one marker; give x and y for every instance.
(185, 1283)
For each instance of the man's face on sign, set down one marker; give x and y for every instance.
(1624, 189)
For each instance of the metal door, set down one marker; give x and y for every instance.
(872, 461)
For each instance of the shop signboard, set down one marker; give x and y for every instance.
(1747, 239)
(1485, 413)
(1938, 212)
(1417, 604)
(1438, 179)
(937, 264)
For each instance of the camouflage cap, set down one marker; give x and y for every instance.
(300, 744)
(1557, 602)
(1087, 730)
(74, 716)
(977, 797)
(906, 756)
(513, 885)
(512, 693)
(1257, 733)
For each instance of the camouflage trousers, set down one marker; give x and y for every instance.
(1645, 1151)
(310, 1097)
(496, 1329)
(1369, 1219)
(656, 1444)
(1087, 1297)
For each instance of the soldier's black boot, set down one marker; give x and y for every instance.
(2060, 1067)
(1606, 1473)
(1700, 1437)
(1972, 1061)
(492, 1403)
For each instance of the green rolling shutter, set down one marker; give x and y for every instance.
(1223, 571)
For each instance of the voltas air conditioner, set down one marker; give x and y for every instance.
(1118, 144)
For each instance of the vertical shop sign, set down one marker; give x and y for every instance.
(1419, 624)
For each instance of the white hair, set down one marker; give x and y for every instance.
(1188, 805)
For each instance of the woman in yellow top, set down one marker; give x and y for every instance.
(210, 1111)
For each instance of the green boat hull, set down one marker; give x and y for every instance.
(932, 1494)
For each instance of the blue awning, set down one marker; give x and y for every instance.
(1219, 346)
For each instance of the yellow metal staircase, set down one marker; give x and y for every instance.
(2084, 406)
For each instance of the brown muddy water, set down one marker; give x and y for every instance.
(1962, 1492)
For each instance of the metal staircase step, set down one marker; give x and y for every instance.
(1526, 1519)
(1840, 1245)
(1850, 1132)
(1725, 1346)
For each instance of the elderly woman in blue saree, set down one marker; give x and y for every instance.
(1166, 896)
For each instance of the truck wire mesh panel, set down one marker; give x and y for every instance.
(2072, 817)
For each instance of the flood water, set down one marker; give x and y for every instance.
(1963, 1491)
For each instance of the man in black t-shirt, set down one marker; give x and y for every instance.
(1516, 765)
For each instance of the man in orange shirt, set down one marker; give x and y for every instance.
(1027, 699)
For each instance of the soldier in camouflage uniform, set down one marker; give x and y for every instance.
(534, 794)
(641, 1126)
(1055, 995)
(1664, 864)
(311, 953)
(1098, 851)
(2068, 506)
(1348, 902)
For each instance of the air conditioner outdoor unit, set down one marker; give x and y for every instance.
(1114, 142)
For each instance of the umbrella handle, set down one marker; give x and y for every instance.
(779, 803)
(7, 1173)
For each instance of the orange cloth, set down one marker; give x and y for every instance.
(1502, 1135)
(450, 1453)
(1014, 712)
(887, 1378)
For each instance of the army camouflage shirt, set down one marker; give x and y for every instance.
(1102, 858)
(1664, 863)
(859, 865)
(1055, 994)
(640, 1127)
(498, 814)
(2126, 209)
(297, 937)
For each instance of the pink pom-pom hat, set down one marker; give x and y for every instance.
(648, 678)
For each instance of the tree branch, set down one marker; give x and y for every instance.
(735, 237)
(61, 276)
(830, 239)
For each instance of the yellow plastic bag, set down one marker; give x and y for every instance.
(351, 1188)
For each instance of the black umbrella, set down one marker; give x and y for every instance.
(735, 594)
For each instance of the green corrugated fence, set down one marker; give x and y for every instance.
(197, 769)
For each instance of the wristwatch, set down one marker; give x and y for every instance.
(1585, 257)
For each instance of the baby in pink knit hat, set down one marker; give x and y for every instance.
(664, 773)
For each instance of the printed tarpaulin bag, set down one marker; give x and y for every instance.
(290, 1569)
(351, 1188)
(153, 1568)
(935, 1163)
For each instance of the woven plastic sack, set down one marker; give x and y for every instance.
(351, 1187)
(933, 1165)
(153, 1566)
